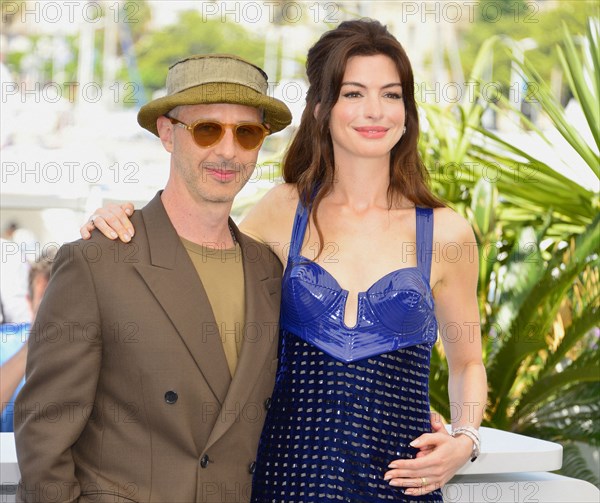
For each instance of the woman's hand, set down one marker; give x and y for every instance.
(112, 221)
(440, 456)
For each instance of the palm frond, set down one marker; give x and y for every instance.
(583, 81)
(573, 335)
(526, 335)
(576, 406)
(584, 369)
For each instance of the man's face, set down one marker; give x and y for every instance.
(214, 174)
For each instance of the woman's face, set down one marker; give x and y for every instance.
(368, 118)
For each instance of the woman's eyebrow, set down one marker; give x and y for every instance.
(358, 84)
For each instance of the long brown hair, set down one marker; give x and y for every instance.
(309, 161)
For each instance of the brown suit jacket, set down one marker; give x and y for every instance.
(128, 395)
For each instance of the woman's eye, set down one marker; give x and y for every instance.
(394, 96)
(352, 94)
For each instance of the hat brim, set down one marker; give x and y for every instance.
(277, 114)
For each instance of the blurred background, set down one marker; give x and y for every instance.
(508, 94)
(74, 74)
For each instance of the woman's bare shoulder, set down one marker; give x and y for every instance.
(455, 246)
(450, 226)
(271, 218)
(284, 192)
(280, 198)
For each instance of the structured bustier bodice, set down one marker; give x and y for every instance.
(395, 312)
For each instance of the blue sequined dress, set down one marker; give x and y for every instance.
(347, 401)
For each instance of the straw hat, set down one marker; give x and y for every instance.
(215, 78)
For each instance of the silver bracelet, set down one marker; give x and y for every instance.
(473, 434)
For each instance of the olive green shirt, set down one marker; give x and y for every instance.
(222, 274)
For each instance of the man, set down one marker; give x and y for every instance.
(13, 351)
(13, 283)
(134, 389)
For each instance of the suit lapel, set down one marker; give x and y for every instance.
(260, 333)
(174, 282)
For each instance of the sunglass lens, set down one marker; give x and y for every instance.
(249, 136)
(207, 133)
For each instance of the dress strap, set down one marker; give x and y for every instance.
(300, 223)
(424, 240)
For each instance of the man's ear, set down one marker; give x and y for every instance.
(165, 132)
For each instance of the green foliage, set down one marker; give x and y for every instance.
(539, 285)
(492, 11)
(193, 35)
(524, 20)
(136, 14)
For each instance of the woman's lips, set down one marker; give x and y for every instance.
(372, 132)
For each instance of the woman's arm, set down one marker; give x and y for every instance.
(269, 221)
(457, 312)
(455, 294)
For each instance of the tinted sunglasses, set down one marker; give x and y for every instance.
(248, 135)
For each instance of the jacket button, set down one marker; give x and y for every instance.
(171, 397)
(268, 403)
(204, 460)
(252, 468)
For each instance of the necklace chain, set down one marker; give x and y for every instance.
(232, 234)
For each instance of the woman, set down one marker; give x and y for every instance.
(366, 286)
